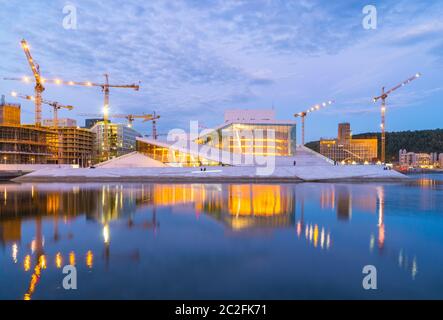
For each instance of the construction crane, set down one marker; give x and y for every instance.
(105, 89)
(55, 105)
(39, 88)
(39, 81)
(384, 95)
(130, 117)
(303, 115)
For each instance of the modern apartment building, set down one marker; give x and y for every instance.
(121, 138)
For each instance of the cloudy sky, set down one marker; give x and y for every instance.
(197, 58)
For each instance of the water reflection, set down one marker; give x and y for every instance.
(316, 213)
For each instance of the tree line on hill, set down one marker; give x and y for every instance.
(426, 141)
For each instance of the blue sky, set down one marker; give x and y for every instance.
(196, 58)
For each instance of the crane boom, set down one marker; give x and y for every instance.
(39, 88)
(87, 84)
(34, 67)
(303, 115)
(387, 93)
(47, 102)
(130, 117)
(105, 89)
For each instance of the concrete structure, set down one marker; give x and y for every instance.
(216, 174)
(63, 122)
(347, 149)
(132, 160)
(26, 145)
(30, 145)
(121, 138)
(9, 113)
(76, 146)
(440, 160)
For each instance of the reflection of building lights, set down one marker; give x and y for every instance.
(106, 233)
(89, 259)
(42, 262)
(322, 238)
(27, 263)
(58, 260)
(381, 235)
(400, 258)
(14, 252)
(315, 235)
(33, 246)
(72, 258)
(414, 268)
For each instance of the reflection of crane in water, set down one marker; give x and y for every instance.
(153, 224)
(37, 247)
(381, 217)
(131, 224)
(404, 261)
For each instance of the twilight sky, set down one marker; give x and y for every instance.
(196, 58)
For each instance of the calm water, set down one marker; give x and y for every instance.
(222, 241)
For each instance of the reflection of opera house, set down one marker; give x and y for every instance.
(239, 206)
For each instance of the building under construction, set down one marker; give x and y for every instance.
(349, 150)
(27, 144)
(76, 146)
(22, 144)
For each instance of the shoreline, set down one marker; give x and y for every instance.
(205, 180)
(225, 175)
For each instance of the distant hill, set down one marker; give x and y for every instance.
(413, 141)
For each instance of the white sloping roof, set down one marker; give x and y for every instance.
(132, 160)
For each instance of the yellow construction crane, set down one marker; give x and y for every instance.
(384, 95)
(39, 88)
(303, 115)
(39, 81)
(55, 105)
(105, 89)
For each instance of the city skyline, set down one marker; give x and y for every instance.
(196, 60)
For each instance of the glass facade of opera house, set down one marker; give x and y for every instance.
(262, 138)
(256, 138)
